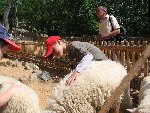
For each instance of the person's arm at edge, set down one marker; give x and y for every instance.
(6, 97)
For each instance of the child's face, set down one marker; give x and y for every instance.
(3, 50)
(57, 50)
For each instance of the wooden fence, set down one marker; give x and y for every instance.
(93, 39)
(125, 52)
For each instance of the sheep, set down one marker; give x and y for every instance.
(89, 91)
(23, 101)
(144, 97)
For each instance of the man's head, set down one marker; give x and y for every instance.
(101, 11)
(54, 46)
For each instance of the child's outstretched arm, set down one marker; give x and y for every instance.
(80, 67)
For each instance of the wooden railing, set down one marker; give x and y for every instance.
(93, 39)
(125, 52)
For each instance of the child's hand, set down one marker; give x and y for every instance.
(72, 78)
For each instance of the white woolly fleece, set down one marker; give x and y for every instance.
(90, 90)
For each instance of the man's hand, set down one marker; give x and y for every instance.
(72, 78)
(98, 36)
(102, 37)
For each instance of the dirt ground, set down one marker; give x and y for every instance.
(42, 88)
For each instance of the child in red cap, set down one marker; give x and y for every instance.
(82, 52)
(6, 44)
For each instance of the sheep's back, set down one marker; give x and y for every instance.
(91, 88)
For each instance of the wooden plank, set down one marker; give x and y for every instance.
(118, 56)
(133, 58)
(128, 57)
(139, 54)
(125, 82)
(123, 58)
(146, 68)
(123, 54)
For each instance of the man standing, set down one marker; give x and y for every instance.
(107, 30)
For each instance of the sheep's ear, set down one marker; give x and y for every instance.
(132, 110)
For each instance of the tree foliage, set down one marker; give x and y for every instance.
(77, 17)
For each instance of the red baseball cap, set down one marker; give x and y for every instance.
(49, 44)
(12, 46)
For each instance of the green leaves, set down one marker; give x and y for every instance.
(78, 17)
